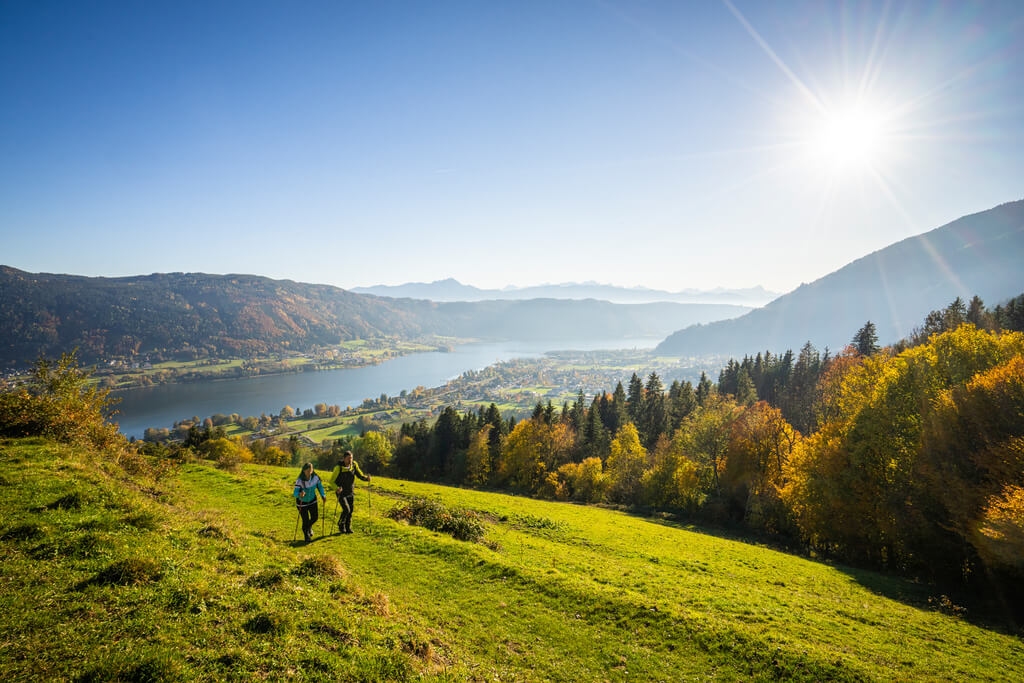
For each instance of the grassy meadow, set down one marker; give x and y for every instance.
(119, 571)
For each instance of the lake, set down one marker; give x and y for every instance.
(161, 406)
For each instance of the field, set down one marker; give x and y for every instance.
(193, 574)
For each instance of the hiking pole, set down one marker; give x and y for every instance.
(323, 517)
(296, 532)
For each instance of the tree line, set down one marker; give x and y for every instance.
(907, 457)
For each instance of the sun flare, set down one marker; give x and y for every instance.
(849, 135)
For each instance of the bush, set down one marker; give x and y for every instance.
(464, 525)
(57, 403)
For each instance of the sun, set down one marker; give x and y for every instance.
(850, 135)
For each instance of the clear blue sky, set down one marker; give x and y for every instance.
(667, 144)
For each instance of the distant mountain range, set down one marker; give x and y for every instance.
(453, 290)
(895, 288)
(197, 315)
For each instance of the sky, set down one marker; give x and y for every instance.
(665, 144)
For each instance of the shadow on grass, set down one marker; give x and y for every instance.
(991, 611)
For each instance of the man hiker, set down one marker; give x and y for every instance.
(306, 487)
(344, 477)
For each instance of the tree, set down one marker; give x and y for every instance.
(584, 481)
(705, 436)
(625, 466)
(635, 405)
(978, 315)
(522, 465)
(671, 479)
(373, 452)
(287, 413)
(478, 457)
(752, 473)
(596, 439)
(655, 417)
(866, 339)
(746, 393)
(227, 453)
(682, 402)
(879, 481)
(703, 389)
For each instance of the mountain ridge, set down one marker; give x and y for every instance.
(894, 287)
(450, 289)
(196, 315)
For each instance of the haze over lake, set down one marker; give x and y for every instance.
(161, 406)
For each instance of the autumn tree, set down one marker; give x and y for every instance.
(625, 466)
(478, 457)
(752, 472)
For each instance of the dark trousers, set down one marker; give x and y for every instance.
(310, 514)
(347, 505)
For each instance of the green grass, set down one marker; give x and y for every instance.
(197, 578)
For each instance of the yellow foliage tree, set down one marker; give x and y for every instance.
(522, 455)
(478, 457)
(627, 460)
(760, 441)
(584, 481)
(858, 486)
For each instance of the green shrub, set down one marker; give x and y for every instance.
(464, 525)
(58, 403)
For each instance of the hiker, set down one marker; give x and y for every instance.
(306, 487)
(344, 477)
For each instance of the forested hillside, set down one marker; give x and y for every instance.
(895, 287)
(190, 315)
(183, 567)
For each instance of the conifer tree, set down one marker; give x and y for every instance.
(655, 418)
(866, 339)
(703, 389)
(635, 405)
(682, 402)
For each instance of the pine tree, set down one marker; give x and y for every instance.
(866, 339)
(745, 391)
(635, 406)
(682, 402)
(655, 418)
(703, 389)
(618, 414)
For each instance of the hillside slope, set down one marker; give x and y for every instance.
(109, 575)
(894, 288)
(199, 315)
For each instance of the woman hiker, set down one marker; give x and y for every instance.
(306, 487)
(344, 477)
